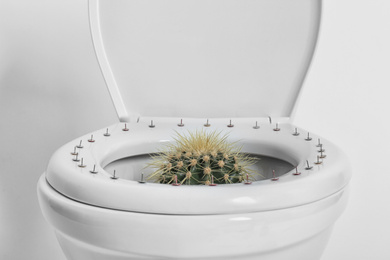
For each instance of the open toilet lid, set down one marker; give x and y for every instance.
(209, 59)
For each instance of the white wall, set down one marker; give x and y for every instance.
(345, 99)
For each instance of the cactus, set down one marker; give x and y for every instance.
(201, 158)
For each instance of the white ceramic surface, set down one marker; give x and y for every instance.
(97, 217)
(76, 182)
(249, 57)
(88, 232)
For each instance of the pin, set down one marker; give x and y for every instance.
(94, 169)
(114, 177)
(82, 165)
(74, 151)
(230, 124)
(270, 119)
(277, 127)
(256, 126)
(207, 124)
(106, 133)
(247, 179)
(308, 167)
(318, 160)
(322, 155)
(80, 146)
(142, 179)
(176, 183)
(319, 142)
(76, 159)
(296, 171)
(321, 149)
(212, 181)
(181, 123)
(274, 176)
(91, 140)
(296, 132)
(308, 138)
(151, 124)
(125, 129)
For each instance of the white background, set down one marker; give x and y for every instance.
(345, 99)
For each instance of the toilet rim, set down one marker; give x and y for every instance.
(77, 183)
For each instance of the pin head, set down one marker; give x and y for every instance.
(76, 159)
(91, 140)
(207, 124)
(256, 126)
(296, 132)
(79, 145)
(114, 176)
(181, 123)
(142, 179)
(74, 151)
(274, 176)
(296, 171)
(308, 138)
(82, 165)
(94, 169)
(212, 181)
(308, 167)
(175, 183)
(106, 133)
(125, 129)
(247, 182)
(318, 160)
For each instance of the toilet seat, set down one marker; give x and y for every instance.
(252, 77)
(78, 183)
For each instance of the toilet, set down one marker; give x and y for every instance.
(172, 66)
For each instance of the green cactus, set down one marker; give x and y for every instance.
(202, 158)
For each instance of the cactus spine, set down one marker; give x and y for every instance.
(201, 158)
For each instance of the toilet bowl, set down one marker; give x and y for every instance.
(95, 191)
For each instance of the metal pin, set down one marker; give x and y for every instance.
(107, 133)
(176, 183)
(296, 171)
(151, 124)
(181, 123)
(94, 169)
(322, 155)
(114, 177)
(80, 146)
(74, 151)
(296, 132)
(318, 160)
(277, 127)
(91, 140)
(321, 149)
(270, 119)
(76, 159)
(319, 142)
(82, 165)
(308, 138)
(125, 129)
(230, 124)
(256, 126)
(212, 181)
(207, 124)
(247, 179)
(274, 176)
(142, 179)
(308, 167)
